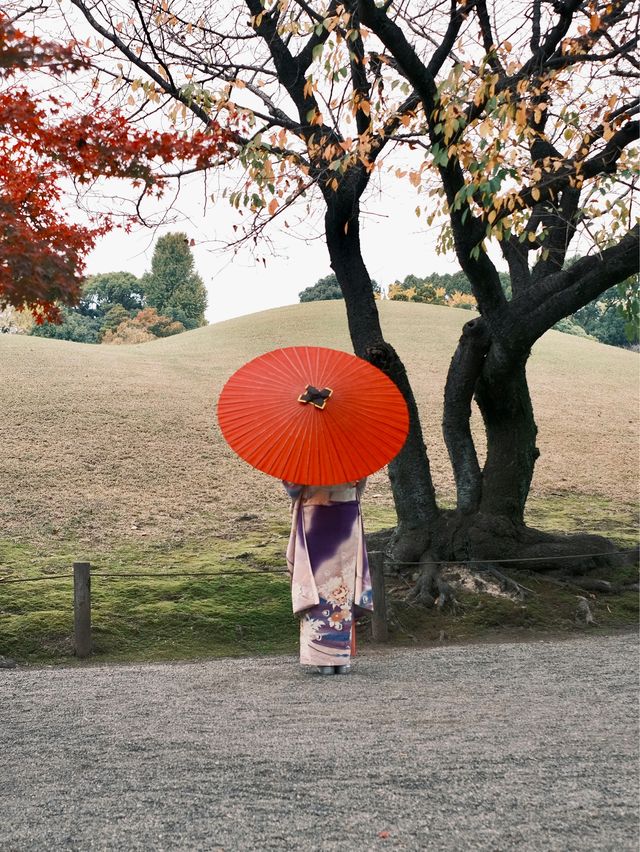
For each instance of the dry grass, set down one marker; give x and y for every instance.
(112, 454)
(109, 444)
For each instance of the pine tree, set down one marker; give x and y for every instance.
(173, 286)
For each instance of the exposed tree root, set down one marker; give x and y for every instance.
(508, 584)
(583, 613)
(431, 590)
(491, 545)
(505, 543)
(593, 584)
(589, 584)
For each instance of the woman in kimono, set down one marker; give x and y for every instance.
(327, 561)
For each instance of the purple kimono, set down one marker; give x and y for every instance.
(327, 561)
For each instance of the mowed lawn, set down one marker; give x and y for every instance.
(101, 443)
(112, 454)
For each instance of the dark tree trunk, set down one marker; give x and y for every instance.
(410, 473)
(464, 370)
(499, 383)
(502, 394)
(343, 242)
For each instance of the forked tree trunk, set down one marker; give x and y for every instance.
(500, 388)
(488, 523)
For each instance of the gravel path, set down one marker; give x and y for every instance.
(486, 747)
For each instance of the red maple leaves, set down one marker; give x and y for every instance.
(45, 140)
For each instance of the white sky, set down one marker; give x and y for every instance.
(395, 243)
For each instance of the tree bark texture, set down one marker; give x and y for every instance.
(502, 394)
(464, 371)
(410, 473)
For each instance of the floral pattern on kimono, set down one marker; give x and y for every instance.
(327, 560)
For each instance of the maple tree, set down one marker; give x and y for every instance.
(515, 130)
(45, 140)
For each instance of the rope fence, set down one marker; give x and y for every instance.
(82, 575)
(502, 560)
(155, 575)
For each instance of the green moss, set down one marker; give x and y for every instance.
(579, 513)
(248, 611)
(146, 618)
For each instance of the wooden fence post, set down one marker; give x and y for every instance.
(379, 626)
(82, 608)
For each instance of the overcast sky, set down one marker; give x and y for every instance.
(395, 243)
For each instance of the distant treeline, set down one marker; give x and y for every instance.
(118, 307)
(605, 320)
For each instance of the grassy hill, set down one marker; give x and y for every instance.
(105, 442)
(113, 454)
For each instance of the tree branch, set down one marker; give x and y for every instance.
(564, 293)
(468, 230)
(136, 60)
(361, 87)
(487, 39)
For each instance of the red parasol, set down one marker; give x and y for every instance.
(313, 416)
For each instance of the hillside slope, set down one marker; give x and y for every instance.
(104, 442)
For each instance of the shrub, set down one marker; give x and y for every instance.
(568, 326)
(147, 325)
(74, 326)
(127, 333)
(116, 315)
